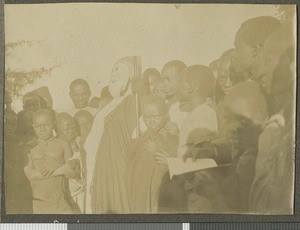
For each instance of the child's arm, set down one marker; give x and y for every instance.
(66, 169)
(31, 173)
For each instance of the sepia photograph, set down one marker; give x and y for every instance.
(149, 108)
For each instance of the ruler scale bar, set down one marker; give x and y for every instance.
(153, 226)
(33, 226)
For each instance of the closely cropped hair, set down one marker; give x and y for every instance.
(47, 112)
(79, 81)
(154, 100)
(179, 65)
(257, 30)
(202, 77)
(151, 71)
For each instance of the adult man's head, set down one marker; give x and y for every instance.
(150, 77)
(195, 81)
(249, 42)
(154, 112)
(66, 127)
(121, 74)
(171, 74)
(80, 93)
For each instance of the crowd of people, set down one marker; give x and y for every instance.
(109, 154)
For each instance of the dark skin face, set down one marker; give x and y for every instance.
(223, 75)
(67, 129)
(85, 124)
(244, 55)
(154, 117)
(185, 90)
(170, 76)
(80, 96)
(32, 104)
(43, 127)
(150, 82)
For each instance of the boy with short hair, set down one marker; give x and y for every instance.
(144, 174)
(67, 130)
(80, 94)
(47, 167)
(84, 120)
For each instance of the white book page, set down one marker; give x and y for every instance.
(178, 167)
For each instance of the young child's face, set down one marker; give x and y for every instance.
(67, 129)
(43, 127)
(85, 125)
(153, 117)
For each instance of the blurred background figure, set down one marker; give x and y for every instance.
(150, 79)
(45, 94)
(33, 102)
(17, 187)
(100, 102)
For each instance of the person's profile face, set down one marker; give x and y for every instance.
(153, 79)
(67, 129)
(80, 96)
(153, 117)
(32, 104)
(119, 77)
(242, 58)
(223, 77)
(43, 127)
(182, 92)
(170, 77)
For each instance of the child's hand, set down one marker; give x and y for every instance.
(46, 171)
(150, 146)
(160, 157)
(172, 128)
(198, 153)
(74, 164)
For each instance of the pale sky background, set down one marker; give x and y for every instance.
(85, 39)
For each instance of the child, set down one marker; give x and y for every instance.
(80, 94)
(46, 168)
(84, 120)
(68, 131)
(144, 175)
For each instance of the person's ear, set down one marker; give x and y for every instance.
(190, 89)
(256, 50)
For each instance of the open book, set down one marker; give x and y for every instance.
(178, 167)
